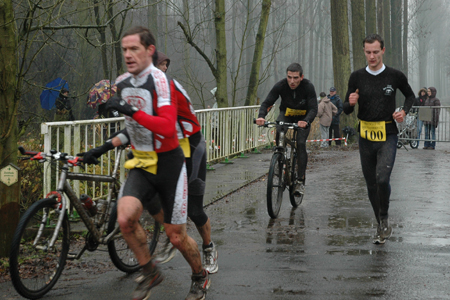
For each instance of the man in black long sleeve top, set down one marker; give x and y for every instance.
(298, 104)
(374, 89)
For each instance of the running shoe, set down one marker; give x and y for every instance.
(166, 253)
(210, 257)
(377, 239)
(385, 229)
(200, 284)
(146, 282)
(299, 188)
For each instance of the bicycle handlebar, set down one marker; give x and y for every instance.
(281, 123)
(41, 156)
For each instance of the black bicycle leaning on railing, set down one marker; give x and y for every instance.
(41, 241)
(283, 170)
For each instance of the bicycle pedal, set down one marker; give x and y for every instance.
(71, 256)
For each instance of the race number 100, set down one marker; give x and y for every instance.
(373, 131)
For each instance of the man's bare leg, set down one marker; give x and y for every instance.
(205, 232)
(129, 210)
(185, 244)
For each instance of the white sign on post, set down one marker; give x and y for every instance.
(9, 175)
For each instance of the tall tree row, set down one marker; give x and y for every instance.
(9, 97)
(341, 45)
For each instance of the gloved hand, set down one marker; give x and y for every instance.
(91, 156)
(121, 106)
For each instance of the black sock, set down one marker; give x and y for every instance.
(208, 246)
(148, 267)
(202, 273)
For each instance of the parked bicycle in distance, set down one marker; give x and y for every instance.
(41, 242)
(283, 168)
(407, 130)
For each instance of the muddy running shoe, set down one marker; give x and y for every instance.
(200, 284)
(210, 257)
(146, 282)
(299, 188)
(385, 229)
(166, 253)
(377, 239)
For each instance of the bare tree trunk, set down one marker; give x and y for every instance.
(340, 45)
(405, 37)
(153, 21)
(316, 73)
(221, 54)
(396, 25)
(102, 31)
(304, 22)
(371, 17)
(9, 97)
(358, 35)
(380, 24)
(259, 46)
(311, 40)
(116, 38)
(300, 30)
(249, 46)
(233, 43)
(387, 58)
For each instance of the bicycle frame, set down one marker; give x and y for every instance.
(281, 148)
(65, 190)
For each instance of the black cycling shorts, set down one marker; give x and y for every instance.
(170, 183)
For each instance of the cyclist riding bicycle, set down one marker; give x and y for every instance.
(298, 104)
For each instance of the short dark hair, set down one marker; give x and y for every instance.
(145, 36)
(295, 67)
(371, 38)
(322, 94)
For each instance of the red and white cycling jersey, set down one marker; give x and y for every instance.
(153, 127)
(187, 120)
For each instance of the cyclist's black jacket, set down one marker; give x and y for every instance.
(303, 98)
(377, 95)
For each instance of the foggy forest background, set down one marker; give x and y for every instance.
(242, 47)
(79, 41)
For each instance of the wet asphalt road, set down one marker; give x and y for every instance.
(321, 250)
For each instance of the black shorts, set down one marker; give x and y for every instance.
(170, 183)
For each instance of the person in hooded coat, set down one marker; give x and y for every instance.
(325, 112)
(420, 101)
(430, 126)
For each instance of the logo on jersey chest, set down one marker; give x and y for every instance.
(388, 90)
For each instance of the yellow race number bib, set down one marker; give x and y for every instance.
(184, 144)
(373, 131)
(290, 112)
(147, 160)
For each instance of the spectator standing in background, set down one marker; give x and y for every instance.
(63, 107)
(334, 127)
(430, 126)
(325, 112)
(420, 101)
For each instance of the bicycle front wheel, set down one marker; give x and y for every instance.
(35, 268)
(295, 201)
(121, 255)
(275, 185)
(414, 144)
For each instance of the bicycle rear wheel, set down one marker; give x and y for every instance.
(121, 255)
(414, 144)
(295, 201)
(34, 268)
(275, 185)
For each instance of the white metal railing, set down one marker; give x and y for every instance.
(424, 112)
(230, 131)
(80, 136)
(227, 131)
